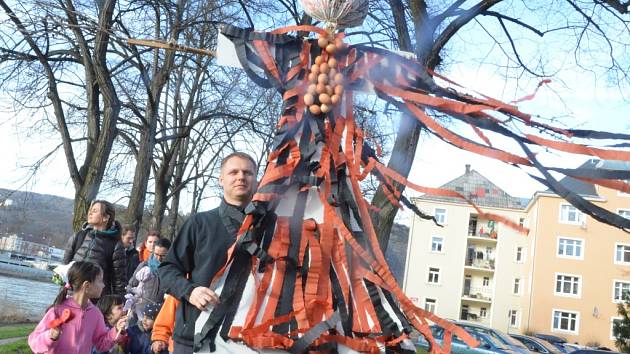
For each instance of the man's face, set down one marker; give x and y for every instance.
(151, 240)
(127, 239)
(238, 180)
(160, 253)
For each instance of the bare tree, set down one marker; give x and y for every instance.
(431, 29)
(61, 42)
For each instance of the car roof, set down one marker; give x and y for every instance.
(550, 347)
(471, 324)
(550, 337)
(594, 351)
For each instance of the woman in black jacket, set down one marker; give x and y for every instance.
(99, 242)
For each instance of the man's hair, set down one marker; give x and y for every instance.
(163, 242)
(128, 227)
(241, 155)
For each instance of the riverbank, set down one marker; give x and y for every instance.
(22, 272)
(25, 300)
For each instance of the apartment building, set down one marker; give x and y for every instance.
(564, 278)
(471, 268)
(579, 267)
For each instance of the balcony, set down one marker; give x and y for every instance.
(487, 237)
(477, 294)
(482, 229)
(480, 264)
(473, 317)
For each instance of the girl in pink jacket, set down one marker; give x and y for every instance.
(72, 325)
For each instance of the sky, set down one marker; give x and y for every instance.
(585, 101)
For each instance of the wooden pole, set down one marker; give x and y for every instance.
(170, 46)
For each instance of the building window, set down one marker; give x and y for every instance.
(434, 275)
(620, 289)
(514, 319)
(614, 320)
(486, 281)
(440, 215)
(567, 285)
(436, 244)
(521, 221)
(624, 212)
(622, 253)
(520, 254)
(570, 215)
(516, 289)
(483, 312)
(566, 321)
(430, 305)
(570, 247)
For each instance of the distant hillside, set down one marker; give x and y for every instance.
(36, 217)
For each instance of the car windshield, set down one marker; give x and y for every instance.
(550, 347)
(486, 338)
(505, 339)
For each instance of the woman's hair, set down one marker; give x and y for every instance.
(107, 302)
(153, 232)
(107, 208)
(78, 273)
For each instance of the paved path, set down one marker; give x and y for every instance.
(10, 340)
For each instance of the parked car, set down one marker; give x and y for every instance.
(594, 351)
(487, 343)
(537, 345)
(502, 337)
(558, 342)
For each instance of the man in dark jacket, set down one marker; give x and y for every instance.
(200, 248)
(99, 242)
(128, 239)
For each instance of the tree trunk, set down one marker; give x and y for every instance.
(146, 145)
(94, 166)
(135, 209)
(409, 130)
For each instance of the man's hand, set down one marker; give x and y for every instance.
(158, 346)
(201, 297)
(54, 333)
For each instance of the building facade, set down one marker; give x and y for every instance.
(564, 278)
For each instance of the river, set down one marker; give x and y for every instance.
(24, 298)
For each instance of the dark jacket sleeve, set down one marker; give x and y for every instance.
(70, 248)
(119, 264)
(180, 261)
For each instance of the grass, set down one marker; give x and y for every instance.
(13, 331)
(19, 347)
